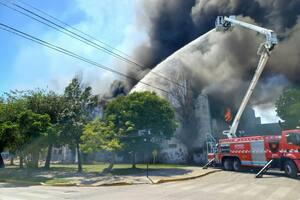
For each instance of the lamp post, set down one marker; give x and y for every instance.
(147, 137)
(147, 143)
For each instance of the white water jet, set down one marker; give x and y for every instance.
(219, 62)
(171, 66)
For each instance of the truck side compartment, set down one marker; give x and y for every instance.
(257, 151)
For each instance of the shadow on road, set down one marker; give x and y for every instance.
(15, 177)
(271, 173)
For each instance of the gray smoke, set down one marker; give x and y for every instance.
(222, 64)
(118, 88)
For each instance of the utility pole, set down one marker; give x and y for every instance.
(147, 143)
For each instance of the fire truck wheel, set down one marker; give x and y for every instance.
(237, 165)
(228, 164)
(290, 169)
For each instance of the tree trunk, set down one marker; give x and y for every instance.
(2, 165)
(133, 160)
(73, 155)
(79, 158)
(35, 159)
(111, 164)
(48, 157)
(21, 162)
(12, 160)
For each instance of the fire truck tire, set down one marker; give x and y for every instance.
(237, 165)
(290, 169)
(228, 164)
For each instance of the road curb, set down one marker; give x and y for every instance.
(13, 181)
(60, 184)
(121, 183)
(184, 178)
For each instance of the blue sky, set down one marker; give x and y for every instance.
(26, 65)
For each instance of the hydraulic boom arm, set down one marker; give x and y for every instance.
(226, 23)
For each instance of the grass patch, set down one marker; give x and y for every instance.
(22, 176)
(88, 168)
(127, 169)
(99, 167)
(58, 173)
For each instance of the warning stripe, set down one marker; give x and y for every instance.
(257, 163)
(265, 151)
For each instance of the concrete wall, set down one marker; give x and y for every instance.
(173, 151)
(204, 126)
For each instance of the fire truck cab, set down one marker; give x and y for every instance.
(257, 151)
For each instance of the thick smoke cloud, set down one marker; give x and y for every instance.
(222, 64)
(172, 24)
(169, 26)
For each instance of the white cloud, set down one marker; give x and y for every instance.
(37, 66)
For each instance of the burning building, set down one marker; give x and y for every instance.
(198, 117)
(216, 69)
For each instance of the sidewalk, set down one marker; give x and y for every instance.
(155, 177)
(91, 177)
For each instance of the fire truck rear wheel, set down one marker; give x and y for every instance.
(290, 169)
(237, 165)
(228, 164)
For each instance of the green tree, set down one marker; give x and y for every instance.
(79, 110)
(4, 141)
(52, 104)
(33, 129)
(145, 111)
(100, 135)
(8, 137)
(288, 108)
(12, 104)
(24, 115)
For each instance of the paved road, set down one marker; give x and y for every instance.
(221, 185)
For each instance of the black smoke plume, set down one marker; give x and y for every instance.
(171, 25)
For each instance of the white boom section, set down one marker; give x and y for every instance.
(262, 63)
(225, 23)
(271, 38)
(247, 25)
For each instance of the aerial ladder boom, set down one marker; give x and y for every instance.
(227, 23)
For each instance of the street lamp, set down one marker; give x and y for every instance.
(147, 141)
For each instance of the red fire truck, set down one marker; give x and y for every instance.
(282, 151)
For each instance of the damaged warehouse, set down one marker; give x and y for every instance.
(217, 67)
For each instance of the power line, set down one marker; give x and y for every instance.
(71, 54)
(73, 28)
(79, 37)
(58, 29)
(73, 33)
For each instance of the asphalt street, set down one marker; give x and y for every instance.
(221, 185)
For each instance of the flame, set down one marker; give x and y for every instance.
(228, 115)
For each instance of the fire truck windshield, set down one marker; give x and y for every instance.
(293, 138)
